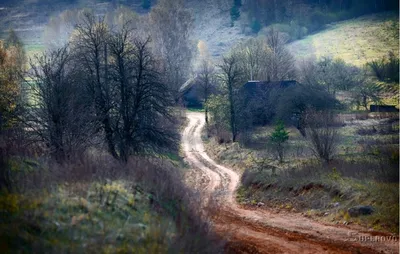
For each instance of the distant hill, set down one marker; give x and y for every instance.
(356, 41)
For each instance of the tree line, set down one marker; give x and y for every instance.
(300, 17)
(318, 84)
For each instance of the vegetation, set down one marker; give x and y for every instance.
(356, 41)
(386, 69)
(89, 128)
(321, 133)
(82, 134)
(363, 171)
(12, 59)
(298, 19)
(278, 139)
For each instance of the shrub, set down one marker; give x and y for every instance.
(278, 138)
(386, 68)
(146, 4)
(321, 134)
(255, 26)
(235, 13)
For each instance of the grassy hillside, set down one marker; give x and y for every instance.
(356, 41)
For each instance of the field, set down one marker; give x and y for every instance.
(364, 172)
(356, 41)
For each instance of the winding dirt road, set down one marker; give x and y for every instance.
(262, 231)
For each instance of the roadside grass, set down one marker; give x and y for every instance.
(195, 109)
(95, 217)
(323, 192)
(356, 41)
(364, 172)
(98, 205)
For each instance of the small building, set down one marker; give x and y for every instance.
(190, 93)
(383, 108)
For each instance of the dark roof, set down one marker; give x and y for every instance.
(383, 108)
(253, 86)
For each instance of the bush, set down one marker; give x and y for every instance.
(235, 13)
(278, 138)
(255, 26)
(386, 68)
(146, 4)
(321, 134)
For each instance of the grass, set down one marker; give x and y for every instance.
(97, 205)
(364, 172)
(195, 109)
(356, 41)
(96, 217)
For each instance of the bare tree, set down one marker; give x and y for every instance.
(252, 56)
(232, 78)
(207, 82)
(141, 106)
(58, 114)
(171, 26)
(279, 62)
(322, 135)
(90, 45)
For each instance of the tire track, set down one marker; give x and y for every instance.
(260, 231)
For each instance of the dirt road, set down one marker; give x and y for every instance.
(262, 231)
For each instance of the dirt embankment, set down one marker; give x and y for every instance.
(262, 231)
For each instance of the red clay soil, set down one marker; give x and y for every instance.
(260, 230)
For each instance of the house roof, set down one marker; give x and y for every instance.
(188, 84)
(254, 85)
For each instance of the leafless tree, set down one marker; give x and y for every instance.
(207, 82)
(90, 46)
(279, 62)
(322, 135)
(57, 113)
(232, 78)
(141, 106)
(171, 26)
(252, 55)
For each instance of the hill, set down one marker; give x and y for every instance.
(356, 41)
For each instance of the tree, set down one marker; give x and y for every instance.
(218, 106)
(232, 78)
(172, 27)
(12, 64)
(146, 4)
(90, 46)
(207, 82)
(141, 106)
(252, 55)
(366, 93)
(278, 138)
(279, 62)
(322, 135)
(58, 114)
(333, 75)
(235, 14)
(386, 69)
(292, 105)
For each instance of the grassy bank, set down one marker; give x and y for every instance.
(364, 172)
(356, 41)
(98, 205)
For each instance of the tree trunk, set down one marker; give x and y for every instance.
(232, 111)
